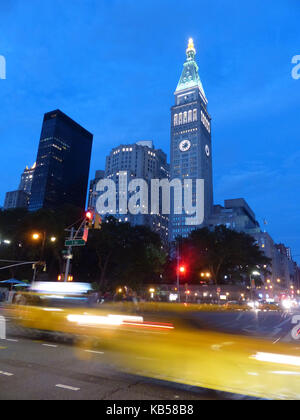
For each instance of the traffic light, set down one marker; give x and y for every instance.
(89, 217)
(98, 221)
(88, 224)
(182, 269)
(92, 221)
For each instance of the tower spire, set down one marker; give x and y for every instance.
(191, 48)
(190, 75)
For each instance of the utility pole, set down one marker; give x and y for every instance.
(69, 256)
(34, 273)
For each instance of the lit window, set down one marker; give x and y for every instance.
(190, 116)
(185, 118)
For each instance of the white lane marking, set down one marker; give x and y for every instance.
(13, 341)
(49, 345)
(70, 388)
(94, 352)
(6, 373)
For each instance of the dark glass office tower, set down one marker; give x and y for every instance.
(63, 163)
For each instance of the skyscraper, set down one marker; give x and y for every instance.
(191, 149)
(27, 178)
(135, 161)
(93, 194)
(20, 198)
(63, 163)
(16, 200)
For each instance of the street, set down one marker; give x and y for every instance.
(37, 370)
(47, 367)
(34, 369)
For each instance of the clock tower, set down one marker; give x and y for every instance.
(191, 149)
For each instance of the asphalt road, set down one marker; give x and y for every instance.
(37, 370)
(52, 370)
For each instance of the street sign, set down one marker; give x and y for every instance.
(75, 242)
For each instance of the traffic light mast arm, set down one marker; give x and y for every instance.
(17, 265)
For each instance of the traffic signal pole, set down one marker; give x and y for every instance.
(91, 221)
(68, 263)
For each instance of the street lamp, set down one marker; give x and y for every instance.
(36, 236)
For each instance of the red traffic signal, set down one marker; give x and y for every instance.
(181, 269)
(89, 215)
(92, 221)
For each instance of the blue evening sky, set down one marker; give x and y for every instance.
(113, 66)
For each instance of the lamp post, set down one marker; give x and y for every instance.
(252, 282)
(43, 237)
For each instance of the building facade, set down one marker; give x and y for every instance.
(93, 194)
(26, 179)
(191, 146)
(20, 198)
(62, 165)
(284, 276)
(16, 199)
(236, 215)
(131, 162)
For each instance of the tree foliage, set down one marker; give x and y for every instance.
(118, 254)
(223, 253)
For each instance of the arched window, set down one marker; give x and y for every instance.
(180, 118)
(190, 116)
(176, 119)
(185, 114)
(195, 115)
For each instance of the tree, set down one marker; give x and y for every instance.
(222, 252)
(19, 225)
(120, 254)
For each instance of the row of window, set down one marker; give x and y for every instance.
(205, 121)
(186, 117)
(125, 149)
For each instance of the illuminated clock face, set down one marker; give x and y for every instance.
(207, 150)
(185, 145)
